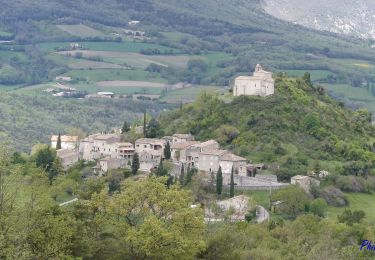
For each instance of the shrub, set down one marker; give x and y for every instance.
(333, 196)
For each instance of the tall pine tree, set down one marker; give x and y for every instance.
(135, 164)
(58, 143)
(219, 181)
(232, 183)
(167, 151)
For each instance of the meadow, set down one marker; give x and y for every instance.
(80, 30)
(357, 201)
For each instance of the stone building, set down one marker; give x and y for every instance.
(181, 138)
(260, 84)
(67, 141)
(68, 157)
(305, 182)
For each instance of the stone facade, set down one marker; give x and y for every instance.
(305, 182)
(67, 141)
(260, 84)
(68, 157)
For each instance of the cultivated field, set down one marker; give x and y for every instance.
(87, 64)
(126, 83)
(80, 30)
(186, 95)
(133, 59)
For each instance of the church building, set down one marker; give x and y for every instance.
(260, 84)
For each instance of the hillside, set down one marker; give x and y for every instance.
(299, 128)
(348, 17)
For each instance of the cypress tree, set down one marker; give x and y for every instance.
(144, 124)
(135, 164)
(58, 143)
(219, 181)
(167, 151)
(125, 127)
(182, 176)
(231, 184)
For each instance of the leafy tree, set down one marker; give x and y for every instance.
(160, 171)
(219, 181)
(114, 181)
(307, 78)
(189, 175)
(44, 158)
(125, 127)
(350, 217)
(319, 207)
(143, 211)
(135, 164)
(294, 200)
(231, 194)
(153, 129)
(58, 143)
(55, 170)
(182, 176)
(167, 151)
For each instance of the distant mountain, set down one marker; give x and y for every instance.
(351, 17)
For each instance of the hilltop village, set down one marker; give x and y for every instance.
(110, 152)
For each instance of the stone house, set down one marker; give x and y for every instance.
(305, 182)
(260, 84)
(146, 144)
(67, 141)
(68, 157)
(99, 146)
(192, 152)
(109, 163)
(149, 159)
(125, 151)
(179, 150)
(229, 160)
(209, 161)
(181, 138)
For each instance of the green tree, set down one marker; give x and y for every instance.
(125, 127)
(182, 176)
(144, 124)
(318, 207)
(135, 164)
(348, 217)
(232, 183)
(58, 143)
(219, 181)
(160, 171)
(55, 170)
(294, 200)
(307, 78)
(189, 175)
(148, 226)
(153, 129)
(44, 158)
(167, 151)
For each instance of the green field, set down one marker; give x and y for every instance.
(114, 74)
(104, 46)
(315, 74)
(80, 30)
(357, 201)
(358, 96)
(186, 94)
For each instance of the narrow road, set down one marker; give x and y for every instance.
(262, 214)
